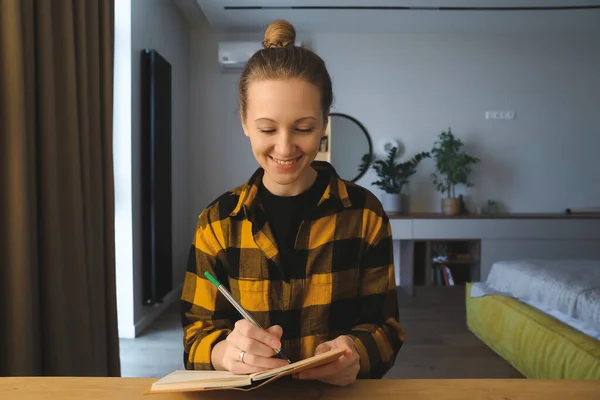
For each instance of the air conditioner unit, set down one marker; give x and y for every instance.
(233, 55)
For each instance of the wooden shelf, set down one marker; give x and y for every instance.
(455, 262)
(433, 215)
(463, 263)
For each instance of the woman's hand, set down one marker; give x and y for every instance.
(341, 372)
(258, 344)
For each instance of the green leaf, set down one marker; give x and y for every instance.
(452, 164)
(393, 175)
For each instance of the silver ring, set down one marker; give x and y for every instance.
(241, 356)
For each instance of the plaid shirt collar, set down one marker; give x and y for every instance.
(335, 194)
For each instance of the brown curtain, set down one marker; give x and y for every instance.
(57, 262)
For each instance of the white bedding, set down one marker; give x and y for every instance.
(569, 290)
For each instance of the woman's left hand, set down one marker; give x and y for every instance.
(341, 372)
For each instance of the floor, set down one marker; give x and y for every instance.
(438, 344)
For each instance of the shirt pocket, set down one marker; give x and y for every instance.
(253, 295)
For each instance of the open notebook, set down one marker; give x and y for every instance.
(187, 380)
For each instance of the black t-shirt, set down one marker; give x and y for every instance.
(285, 213)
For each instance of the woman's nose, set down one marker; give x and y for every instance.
(284, 146)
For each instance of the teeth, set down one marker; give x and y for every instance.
(281, 162)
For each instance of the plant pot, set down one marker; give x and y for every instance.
(450, 206)
(392, 202)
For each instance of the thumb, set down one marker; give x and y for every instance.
(346, 343)
(323, 347)
(276, 330)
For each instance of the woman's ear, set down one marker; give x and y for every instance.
(244, 127)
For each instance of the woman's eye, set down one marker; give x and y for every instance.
(309, 130)
(267, 130)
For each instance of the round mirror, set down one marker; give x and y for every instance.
(349, 142)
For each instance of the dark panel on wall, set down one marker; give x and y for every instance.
(157, 257)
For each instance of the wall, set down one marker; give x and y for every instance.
(157, 24)
(220, 154)
(411, 87)
(122, 169)
(414, 86)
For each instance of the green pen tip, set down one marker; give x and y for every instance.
(212, 279)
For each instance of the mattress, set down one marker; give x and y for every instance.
(536, 344)
(568, 290)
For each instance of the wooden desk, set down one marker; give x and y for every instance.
(431, 389)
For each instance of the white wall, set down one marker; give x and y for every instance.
(122, 169)
(157, 24)
(411, 87)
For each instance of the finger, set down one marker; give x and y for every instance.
(264, 362)
(346, 344)
(234, 365)
(254, 347)
(249, 330)
(276, 330)
(237, 339)
(326, 370)
(250, 362)
(323, 347)
(241, 368)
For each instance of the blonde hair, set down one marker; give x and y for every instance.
(280, 58)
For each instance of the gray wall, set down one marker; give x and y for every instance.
(159, 24)
(220, 153)
(411, 87)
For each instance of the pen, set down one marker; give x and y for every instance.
(241, 309)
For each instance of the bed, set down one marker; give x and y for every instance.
(542, 316)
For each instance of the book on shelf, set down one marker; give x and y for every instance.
(195, 380)
(443, 276)
(448, 276)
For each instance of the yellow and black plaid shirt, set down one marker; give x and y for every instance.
(346, 285)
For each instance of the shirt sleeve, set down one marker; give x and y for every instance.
(379, 336)
(205, 312)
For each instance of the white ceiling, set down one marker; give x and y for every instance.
(404, 21)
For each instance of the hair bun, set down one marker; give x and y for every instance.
(280, 33)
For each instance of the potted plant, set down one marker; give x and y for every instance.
(392, 175)
(453, 167)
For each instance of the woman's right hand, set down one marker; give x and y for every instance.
(258, 344)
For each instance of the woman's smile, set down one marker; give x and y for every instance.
(285, 164)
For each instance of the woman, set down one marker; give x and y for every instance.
(307, 253)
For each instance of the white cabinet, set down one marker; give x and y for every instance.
(502, 237)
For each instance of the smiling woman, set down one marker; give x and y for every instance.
(285, 125)
(315, 247)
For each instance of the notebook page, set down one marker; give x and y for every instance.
(180, 376)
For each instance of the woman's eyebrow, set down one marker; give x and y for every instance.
(270, 120)
(303, 118)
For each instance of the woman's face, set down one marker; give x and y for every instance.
(284, 122)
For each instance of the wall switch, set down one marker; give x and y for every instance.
(499, 115)
(493, 115)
